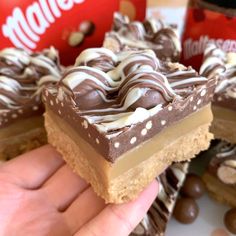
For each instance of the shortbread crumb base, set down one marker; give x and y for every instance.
(219, 191)
(127, 186)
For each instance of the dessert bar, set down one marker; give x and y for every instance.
(155, 221)
(120, 119)
(220, 176)
(222, 66)
(22, 78)
(149, 34)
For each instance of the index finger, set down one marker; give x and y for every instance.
(117, 220)
(32, 169)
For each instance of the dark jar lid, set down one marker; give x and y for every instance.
(223, 3)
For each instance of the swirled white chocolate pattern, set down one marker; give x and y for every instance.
(131, 87)
(150, 34)
(23, 76)
(218, 63)
(223, 164)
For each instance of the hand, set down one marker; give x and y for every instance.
(40, 195)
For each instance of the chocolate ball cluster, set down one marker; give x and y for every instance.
(186, 209)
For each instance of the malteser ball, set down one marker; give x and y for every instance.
(75, 39)
(149, 100)
(230, 220)
(186, 210)
(87, 97)
(193, 186)
(87, 27)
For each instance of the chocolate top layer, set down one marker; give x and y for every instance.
(221, 65)
(156, 219)
(23, 75)
(149, 34)
(114, 96)
(223, 164)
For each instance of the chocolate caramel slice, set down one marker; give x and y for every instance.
(158, 216)
(222, 66)
(23, 75)
(120, 119)
(149, 34)
(221, 174)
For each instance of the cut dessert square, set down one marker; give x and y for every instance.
(120, 120)
(221, 174)
(149, 34)
(218, 63)
(158, 216)
(22, 78)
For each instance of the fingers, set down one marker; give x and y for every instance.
(32, 169)
(63, 187)
(120, 219)
(83, 209)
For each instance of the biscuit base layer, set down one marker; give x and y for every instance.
(21, 137)
(219, 191)
(224, 124)
(129, 184)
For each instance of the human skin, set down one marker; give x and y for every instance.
(40, 195)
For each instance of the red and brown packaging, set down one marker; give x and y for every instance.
(68, 25)
(208, 21)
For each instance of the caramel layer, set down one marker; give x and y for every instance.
(141, 152)
(21, 126)
(224, 113)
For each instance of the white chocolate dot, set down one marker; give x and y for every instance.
(163, 122)
(51, 103)
(219, 98)
(57, 101)
(133, 140)
(191, 99)
(89, 135)
(59, 111)
(199, 101)
(85, 124)
(144, 132)
(149, 124)
(194, 108)
(46, 93)
(97, 141)
(62, 104)
(170, 108)
(203, 92)
(35, 108)
(116, 144)
(14, 116)
(20, 111)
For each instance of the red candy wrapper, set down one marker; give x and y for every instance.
(68, 25)
(208, 21)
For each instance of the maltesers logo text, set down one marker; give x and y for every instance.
(24, 29)
(193, 48)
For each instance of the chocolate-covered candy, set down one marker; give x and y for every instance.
(149, 100)
(186, 210)
(230, 220)
(75, 39)
(193, 186)
(87, 27)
